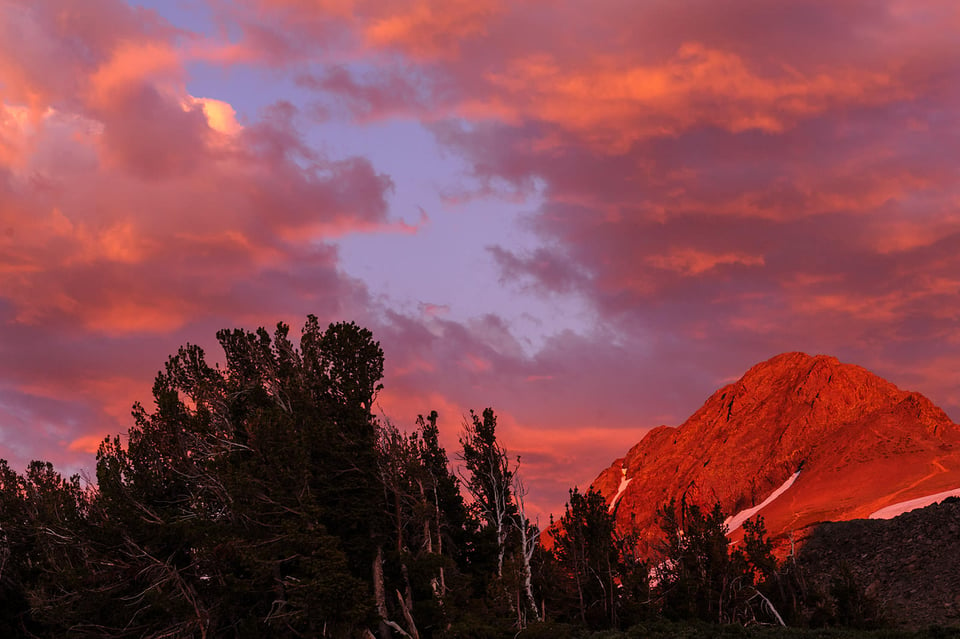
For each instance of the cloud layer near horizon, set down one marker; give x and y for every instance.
(714, 183)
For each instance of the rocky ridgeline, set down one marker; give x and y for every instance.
(862, 444)
(909, 565)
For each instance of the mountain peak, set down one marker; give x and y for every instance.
(801, 379)
(860, 440)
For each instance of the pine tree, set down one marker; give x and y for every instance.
(43, 545)
(489, 478)
(701, 576)
(588, 549)
(247, 499)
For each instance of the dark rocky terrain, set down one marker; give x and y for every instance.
(909, 565)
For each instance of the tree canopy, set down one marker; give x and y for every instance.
(261, 496)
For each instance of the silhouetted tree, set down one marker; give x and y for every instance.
(249, 498)
(701, 576)
(587, 548)
(426, 509)
(489, 478)
(695, 565)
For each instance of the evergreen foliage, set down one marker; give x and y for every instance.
(696, 574)
(261, 497)
(587, 548)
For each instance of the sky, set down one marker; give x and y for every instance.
(588, 216)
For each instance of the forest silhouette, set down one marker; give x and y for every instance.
(262, 497)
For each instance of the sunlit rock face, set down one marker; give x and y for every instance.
(859, 442)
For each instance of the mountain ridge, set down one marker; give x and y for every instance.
(859, 442)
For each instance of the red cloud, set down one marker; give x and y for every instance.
(738, 179)
(430, 29)
(717, 181)
(130, 209)
(121, 187)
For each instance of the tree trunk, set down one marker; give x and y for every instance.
(428, 542)
(578, 573)
(501, 546)
(379, 594)
(528, 545)
(408, 616)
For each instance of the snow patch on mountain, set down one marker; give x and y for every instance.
(735, 521)
(624, 482)
(889, 512)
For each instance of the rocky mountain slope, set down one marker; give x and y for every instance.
(860, 444)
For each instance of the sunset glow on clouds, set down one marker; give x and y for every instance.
(587, 219)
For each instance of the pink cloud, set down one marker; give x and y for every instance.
(717, 182)
(123, 170)
(136, 216)
(729, 181)
(430, 29)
